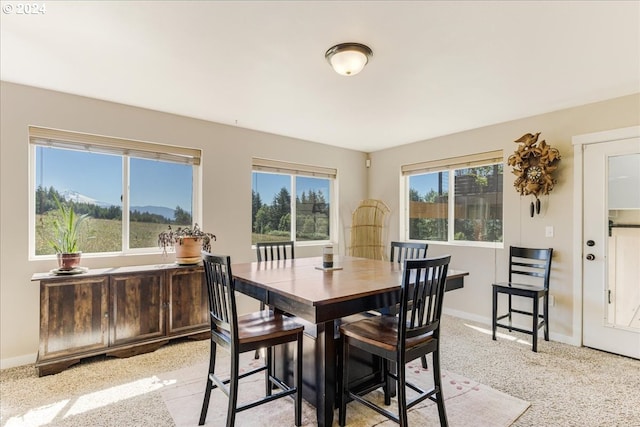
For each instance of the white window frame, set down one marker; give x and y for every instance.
(450, 165)
(262, 165)
(126, 148)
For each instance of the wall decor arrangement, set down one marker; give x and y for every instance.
(534, 163)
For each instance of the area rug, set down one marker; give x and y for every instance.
(467, 402)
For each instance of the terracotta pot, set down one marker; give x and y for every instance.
(188, 250)
(68, 261)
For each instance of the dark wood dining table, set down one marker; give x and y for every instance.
(321, 299)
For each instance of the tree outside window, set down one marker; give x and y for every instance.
(473, 214)
(277, 215)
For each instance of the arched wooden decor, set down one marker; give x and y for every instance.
(533, 164)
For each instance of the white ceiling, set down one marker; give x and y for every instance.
(438, 67)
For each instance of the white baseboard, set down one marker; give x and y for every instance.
(12, 362)
(467, 316)
(565, 339)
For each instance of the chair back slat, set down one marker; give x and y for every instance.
(407, 250)
(530, 262)
(272, 251)
(221, 294)
(422, 293)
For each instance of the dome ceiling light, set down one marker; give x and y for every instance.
(348, 59)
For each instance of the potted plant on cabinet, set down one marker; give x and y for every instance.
(66, 232)
(188, 243)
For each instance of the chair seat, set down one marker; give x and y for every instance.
(519, 287)
(381, 332)
(263, 326)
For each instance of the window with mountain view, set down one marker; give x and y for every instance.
(123, 214)
(472, 214)
(290, 202)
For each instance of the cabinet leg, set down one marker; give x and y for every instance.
(137, 349)
(54, 367)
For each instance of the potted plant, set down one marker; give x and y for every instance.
(66, 232)
(188, 243)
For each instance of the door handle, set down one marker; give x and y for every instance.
(591, 257)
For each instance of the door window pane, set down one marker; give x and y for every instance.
(623, 289)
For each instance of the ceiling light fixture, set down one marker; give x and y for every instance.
(348, 59)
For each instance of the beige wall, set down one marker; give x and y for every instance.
(227, 153)
(488, 265)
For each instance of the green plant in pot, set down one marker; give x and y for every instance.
(188, 242)
(66, 233)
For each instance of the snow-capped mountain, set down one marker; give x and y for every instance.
(74, 196)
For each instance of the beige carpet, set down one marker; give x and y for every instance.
(567, 386)
(468, 402)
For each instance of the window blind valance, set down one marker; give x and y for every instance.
(276, 166)
(111, 145)
(472, 160)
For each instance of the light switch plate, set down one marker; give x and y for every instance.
(548, 231)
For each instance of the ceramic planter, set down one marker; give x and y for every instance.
(188, 250)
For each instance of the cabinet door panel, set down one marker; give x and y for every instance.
(137, 310)
(74, 316)
(188, 305)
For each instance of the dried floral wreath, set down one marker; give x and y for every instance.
(533, 164)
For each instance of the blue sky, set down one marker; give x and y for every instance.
(99, 177)
(269, 184)
(427, 182)
(153, 183)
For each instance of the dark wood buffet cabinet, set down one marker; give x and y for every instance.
(119, 312)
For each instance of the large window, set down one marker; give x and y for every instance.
(291, 202)
(131, 190)
(472, 214)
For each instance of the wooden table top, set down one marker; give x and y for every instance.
(300, 280)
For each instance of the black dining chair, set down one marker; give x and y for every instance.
(413, 333)
(273, 251)
(240, 334)
(407, 250)
(529, 271)
(399, 252)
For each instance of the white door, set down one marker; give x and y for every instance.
(611, 246)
